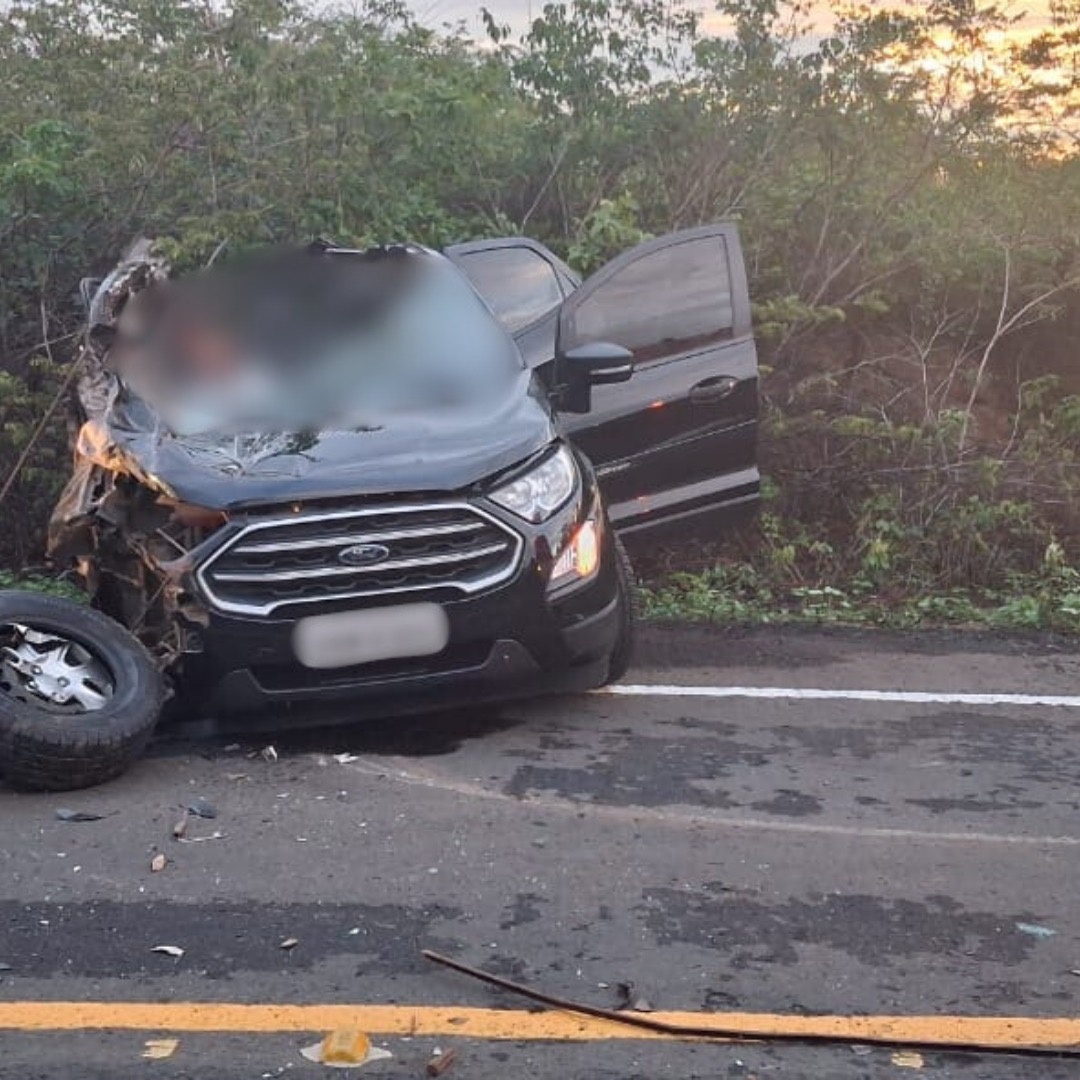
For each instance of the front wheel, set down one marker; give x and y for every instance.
(629, 611)
(79, 695)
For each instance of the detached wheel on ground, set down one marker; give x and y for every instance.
(79, 694)
(629, 612)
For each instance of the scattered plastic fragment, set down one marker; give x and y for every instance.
(180, 828)
(158, 1049)
(235, 776)
(1035, 930)
(64, 814)
(6, 967)
(908, 1059)
(201, 807)
(268, 753)
(345, 1048)
(216, 835)
(440, 1062)
(169, 950)
(627, 999)
(157, 863)
(346, 759)
(289, 943)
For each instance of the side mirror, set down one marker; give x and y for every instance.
(585, 366)
(597, 363)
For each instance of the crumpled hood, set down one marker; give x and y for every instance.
(439, 451)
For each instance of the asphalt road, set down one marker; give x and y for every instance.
(792, 856)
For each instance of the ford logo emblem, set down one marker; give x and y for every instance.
(363, 554)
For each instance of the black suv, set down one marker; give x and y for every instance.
(448, 528)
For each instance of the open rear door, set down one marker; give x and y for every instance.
(677, 443)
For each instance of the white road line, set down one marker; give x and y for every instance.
(412, 775)
(806, 693)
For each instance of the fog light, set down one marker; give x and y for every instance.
(580, 558)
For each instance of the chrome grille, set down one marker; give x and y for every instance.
(437, 550)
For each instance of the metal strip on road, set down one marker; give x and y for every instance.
(991, 1032)
(805, 693)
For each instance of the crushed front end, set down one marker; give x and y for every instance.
(267, 572)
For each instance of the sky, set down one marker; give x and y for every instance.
(517, 13)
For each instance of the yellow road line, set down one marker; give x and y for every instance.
(431, 1020)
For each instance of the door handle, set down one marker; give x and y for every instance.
(709, 391)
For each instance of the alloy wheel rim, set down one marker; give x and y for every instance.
(52, 671)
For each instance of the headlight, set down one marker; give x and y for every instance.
(537, 494)
(580, 558)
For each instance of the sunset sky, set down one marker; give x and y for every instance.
(518, 12)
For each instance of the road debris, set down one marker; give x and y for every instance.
(289, 944)
(64, 814)
(158, 863)
(1035, 930)
(346, 1048)
(158, 1049)
(6, 967)
(907, 1059)
(628, 999)
(746, 1032)
(202, 808)
(267, 753)
(169, 950)
(346, 759)
(440, 1062)
(216, 835)
(180, 828)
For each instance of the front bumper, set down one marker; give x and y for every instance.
(515, 641)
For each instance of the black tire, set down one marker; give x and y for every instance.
(629, 612)
(43, 750)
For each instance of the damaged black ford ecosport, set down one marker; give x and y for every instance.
(369, 482)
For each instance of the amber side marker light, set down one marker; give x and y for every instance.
(580, 557)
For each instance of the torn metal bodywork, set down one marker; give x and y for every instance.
(114, 520)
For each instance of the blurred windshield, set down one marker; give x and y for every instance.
(301, 340)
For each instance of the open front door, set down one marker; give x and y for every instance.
(677, 443)
(523, 283)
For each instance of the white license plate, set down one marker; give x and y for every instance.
(362, 637)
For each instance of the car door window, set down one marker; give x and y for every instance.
(667, 302)
(519, 285)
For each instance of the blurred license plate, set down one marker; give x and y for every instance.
(361, 637)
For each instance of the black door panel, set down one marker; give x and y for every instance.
(680, 438)
(678, 442)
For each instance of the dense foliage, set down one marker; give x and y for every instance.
(911, 216)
